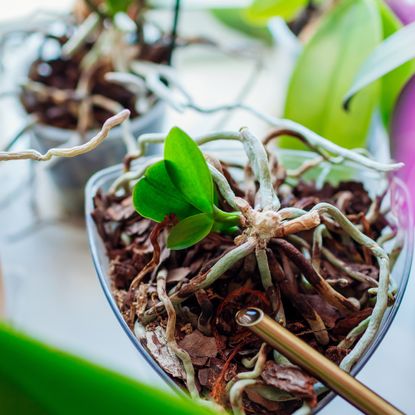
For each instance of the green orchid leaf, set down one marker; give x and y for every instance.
(188, 170)
(325, 70)
(394, 81)
(395, 51)
(265, 9)
(116, 6)
(236, 18)
(155, 196)
(35, 379)
(190, 231)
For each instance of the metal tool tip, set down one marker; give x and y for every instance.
(248, 316)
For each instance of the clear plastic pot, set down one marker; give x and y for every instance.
(71, 174)
(291, 159)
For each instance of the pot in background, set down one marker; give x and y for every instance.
(292, 159)
(70, 175)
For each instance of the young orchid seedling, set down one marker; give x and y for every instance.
(182, 185)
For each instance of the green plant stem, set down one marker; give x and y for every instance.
(227, 218)
(173, 36)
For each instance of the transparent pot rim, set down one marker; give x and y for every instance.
(109, 174)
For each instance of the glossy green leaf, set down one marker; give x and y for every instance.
(188, 170)
(236, 18)
(155, 196)
(190, 231)
(35, 379)
(394, 81)
(325, 70)
(265, 9)
(116, 6)
(395, 51)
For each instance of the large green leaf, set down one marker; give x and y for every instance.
(236, 18)
(155, 196)
(394, 81)
(265, 9)
(190, 231)
(188, 170)
(325, 70)
(395, 51)
(35, 379)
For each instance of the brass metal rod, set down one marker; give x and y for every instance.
(303, 355)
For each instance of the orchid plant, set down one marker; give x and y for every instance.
(97, 38)
(182, 189)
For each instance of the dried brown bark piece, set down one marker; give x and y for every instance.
(336, 354)
(198, 345)
(346, 324)
(208, 376)
(290, 379)
(327, 312)
(124, 210)
(254, 396)
(156, 342)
